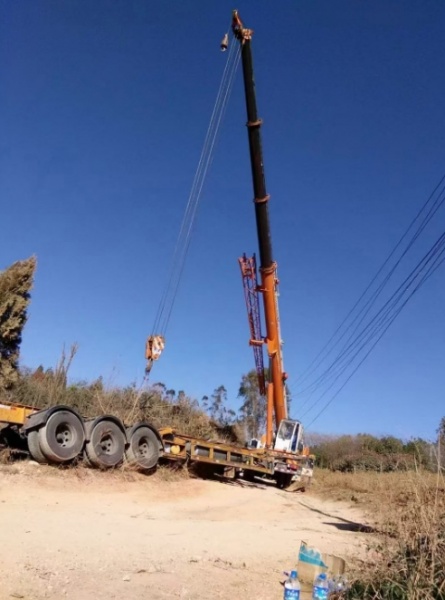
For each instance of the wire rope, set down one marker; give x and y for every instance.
(325, 351)
(429, 263)
(169, 294)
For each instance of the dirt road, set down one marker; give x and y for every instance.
(84, 535)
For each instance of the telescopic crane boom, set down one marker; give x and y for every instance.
(276, 389)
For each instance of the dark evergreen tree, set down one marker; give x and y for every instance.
(15, 286)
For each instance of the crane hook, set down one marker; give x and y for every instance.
(153, 350)
(224, 43)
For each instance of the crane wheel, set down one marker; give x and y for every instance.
(106, 446)
(34, 447)
(143, 450)
(62, 437)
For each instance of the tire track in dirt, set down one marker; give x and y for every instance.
(103, 536)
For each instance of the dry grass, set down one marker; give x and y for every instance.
(171, 473)
(153, 403)
(5, 456)
(369, 488)
(130, 404)
(406, 561)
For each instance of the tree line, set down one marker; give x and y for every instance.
(366, 452)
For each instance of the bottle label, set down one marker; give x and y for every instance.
(291, 594)
(320, 593)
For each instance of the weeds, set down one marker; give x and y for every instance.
(171, 473)
(408, 560)
(155, 404)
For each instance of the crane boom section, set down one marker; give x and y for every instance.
(250, 284)
(268, 267)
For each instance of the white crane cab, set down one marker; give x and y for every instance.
(289, 436)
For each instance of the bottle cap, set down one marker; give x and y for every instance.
(322, 575)
(293, 574)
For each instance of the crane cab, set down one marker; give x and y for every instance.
(289, 436)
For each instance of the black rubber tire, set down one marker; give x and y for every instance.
(283, 480)
(63, 437)
(34, 447)
(249, 476)
(106, 446)
(143, 450)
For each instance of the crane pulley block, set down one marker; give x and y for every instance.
(153, 349)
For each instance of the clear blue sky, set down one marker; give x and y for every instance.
(103, 111)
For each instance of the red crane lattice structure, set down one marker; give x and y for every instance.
(251, 291)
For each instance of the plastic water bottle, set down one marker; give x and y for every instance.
(338, 583)
(292, 587)
(320, 590)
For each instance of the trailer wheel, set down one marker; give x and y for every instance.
(283, 480)
(63, 437)
(106, 446)
(143, 451)
(34, 447)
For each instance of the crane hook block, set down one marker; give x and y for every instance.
(224, 43)
(154, 347)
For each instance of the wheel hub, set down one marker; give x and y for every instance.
(143, 448)
(107, 445)
(64, 436)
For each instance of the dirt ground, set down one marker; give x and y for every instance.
(82, 535)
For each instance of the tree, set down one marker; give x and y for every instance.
(390, 445)
(253, 408)
(15, 285)
(217, 404)
(171, 393)
(217, 407)
(39, 373)
(160, 387)
(423, 452)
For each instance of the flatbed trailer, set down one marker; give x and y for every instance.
(235, 460)
(59, 435)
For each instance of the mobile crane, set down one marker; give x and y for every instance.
(60, 434)
(283, 451)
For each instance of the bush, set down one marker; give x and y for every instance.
(406, 557)
(364, 452)
(130, 404)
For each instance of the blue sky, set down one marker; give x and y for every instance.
(103, 111)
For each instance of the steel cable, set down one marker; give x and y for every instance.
(183, 240)
(436, 265)
(430, 262)
(325, 351)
